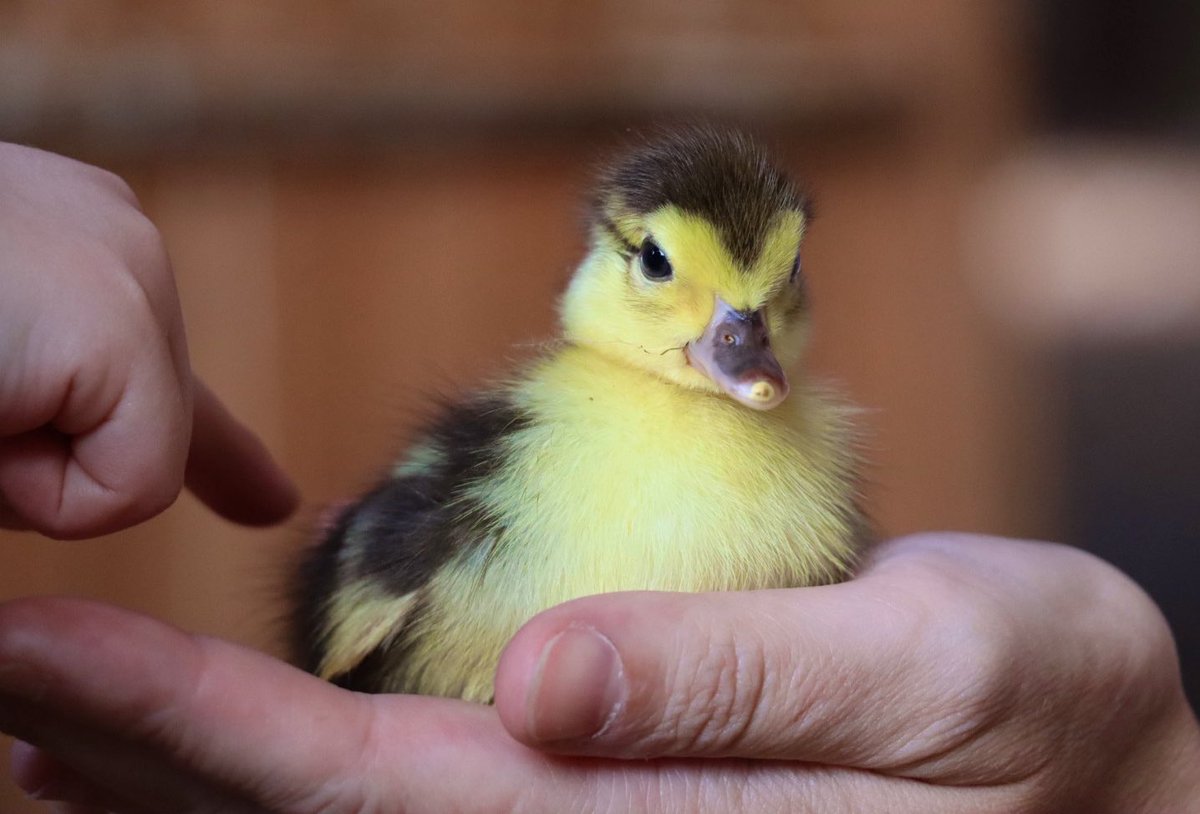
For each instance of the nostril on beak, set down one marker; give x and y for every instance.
(762, 391)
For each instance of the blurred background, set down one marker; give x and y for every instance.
(367, 202)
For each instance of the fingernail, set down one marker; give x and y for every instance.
(29, 770)
(579, 686)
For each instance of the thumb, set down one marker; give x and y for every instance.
(856, 674)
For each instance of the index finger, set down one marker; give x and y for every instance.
(230, 470)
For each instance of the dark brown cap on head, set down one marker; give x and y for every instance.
(721, 175)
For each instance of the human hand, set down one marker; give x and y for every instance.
(954, 674)
(101, 420)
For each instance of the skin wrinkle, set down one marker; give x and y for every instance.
(734, 795)
(348, 795)
(613, 788)
(944, 745)
(81, 467)
(62, 737)
(685, 780)
(1032, 764)
(132, 289)
(701, 791)
(674, 708)
(711, 700)
(734, 702)
(985, 700)
(145, 246)
(822, 686)
(1124, 687)
(161, 726)
(95, 403)
(64, 481)
(619, 800)
(69, 395)
(159, 723)
(749, 695)
(68, 785)
(158, 493)
(832, 694)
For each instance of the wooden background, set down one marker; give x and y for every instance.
(368, 202)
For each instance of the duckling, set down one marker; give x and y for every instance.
(655, 447)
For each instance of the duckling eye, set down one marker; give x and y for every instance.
(795, 270)
(655, 265)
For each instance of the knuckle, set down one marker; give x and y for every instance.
(1133, 651)
(144, 243)
(148, 267)
(966, 644)
(161, 495)
(115, 184)
(988, 639)
(345, 793)
(146, 493)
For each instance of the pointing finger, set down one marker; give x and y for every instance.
(231, 471)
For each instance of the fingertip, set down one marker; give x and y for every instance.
(572, 688)
(231, 471)
(257, 493)
(28, 766)
(43, 777)
(514, 675)
(521, 663)
(52, 648)
(562, 679)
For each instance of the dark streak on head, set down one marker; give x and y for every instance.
(605, 223)
(720, 175)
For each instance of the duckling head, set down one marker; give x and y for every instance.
(694, 269)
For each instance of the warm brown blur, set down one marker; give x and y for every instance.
(367, 204)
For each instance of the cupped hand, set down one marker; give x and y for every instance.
(954, 674)
(101, 420)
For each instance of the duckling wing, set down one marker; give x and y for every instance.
(362, 589)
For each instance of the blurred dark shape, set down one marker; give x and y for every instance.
(1131, 418)
(1120, 67)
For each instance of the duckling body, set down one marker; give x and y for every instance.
(591, 471)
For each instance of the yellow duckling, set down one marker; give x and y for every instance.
(656, 447)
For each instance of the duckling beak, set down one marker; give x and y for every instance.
(735, 353)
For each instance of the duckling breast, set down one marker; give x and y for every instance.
(623, 481)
